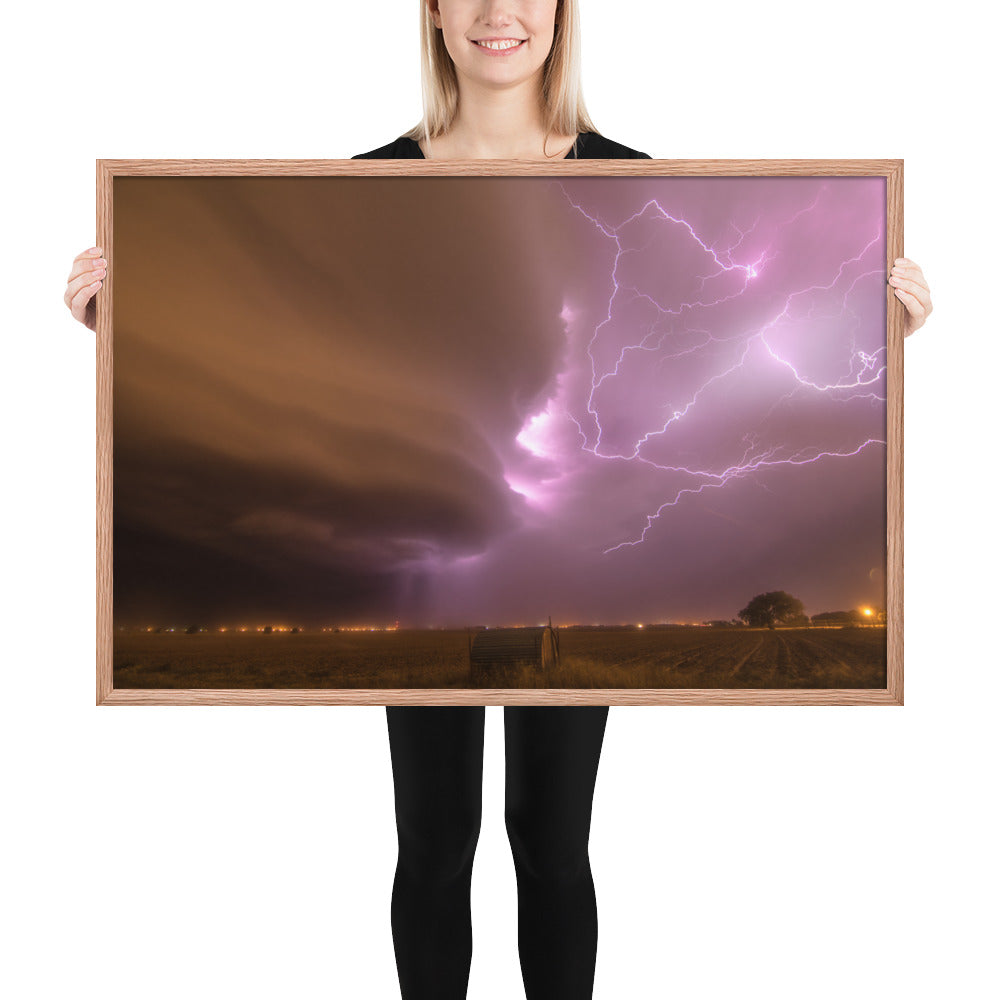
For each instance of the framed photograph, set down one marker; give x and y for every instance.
(500, 432)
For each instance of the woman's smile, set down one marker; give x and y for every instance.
(498, 46)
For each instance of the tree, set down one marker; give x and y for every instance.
(837, 618)
(773, 608)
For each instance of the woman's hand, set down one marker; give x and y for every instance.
(85, 278)
(911, 289)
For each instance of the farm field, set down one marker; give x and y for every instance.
(652, 658)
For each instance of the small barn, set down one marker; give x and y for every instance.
(495, 651)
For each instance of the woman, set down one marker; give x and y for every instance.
(501, 79)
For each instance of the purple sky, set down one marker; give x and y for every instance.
(355, 400)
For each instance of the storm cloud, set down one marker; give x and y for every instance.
(487, 400)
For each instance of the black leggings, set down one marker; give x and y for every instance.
(552, 753)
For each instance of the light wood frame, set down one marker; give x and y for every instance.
(889, 169)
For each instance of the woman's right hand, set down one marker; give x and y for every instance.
(85, 278)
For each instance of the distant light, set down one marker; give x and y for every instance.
(639, 625)
(867, 611)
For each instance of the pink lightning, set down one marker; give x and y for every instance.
(769, 351)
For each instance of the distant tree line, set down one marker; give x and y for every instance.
(777, 607)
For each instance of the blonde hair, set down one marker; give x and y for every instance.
(564, 110)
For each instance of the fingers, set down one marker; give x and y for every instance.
(80, 290)
(911, 288)
(81, 306)
(87, 261)
(905, 268)
(85, 278)
(92, 253)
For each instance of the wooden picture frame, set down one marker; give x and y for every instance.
(219, 267)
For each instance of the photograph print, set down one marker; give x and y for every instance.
(509, 432)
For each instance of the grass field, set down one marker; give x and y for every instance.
(653, 658)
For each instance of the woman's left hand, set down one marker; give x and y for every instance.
(911, 289)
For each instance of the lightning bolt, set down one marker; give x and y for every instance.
(674, 334)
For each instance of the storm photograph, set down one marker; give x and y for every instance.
(557, 431)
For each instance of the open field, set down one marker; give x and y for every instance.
(653, 658)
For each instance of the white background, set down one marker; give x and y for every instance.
(737, 851)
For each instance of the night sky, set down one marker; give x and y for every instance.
(487, 400)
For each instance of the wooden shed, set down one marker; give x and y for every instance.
(495, 651)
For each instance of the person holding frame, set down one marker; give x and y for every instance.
(500, 79)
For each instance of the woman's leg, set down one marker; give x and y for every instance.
(552, 756)
(437, 770)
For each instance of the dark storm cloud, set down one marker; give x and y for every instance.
(321, 373)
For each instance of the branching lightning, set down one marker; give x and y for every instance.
(862, 378)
